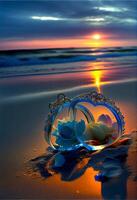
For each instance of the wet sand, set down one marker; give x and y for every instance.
(23, 108)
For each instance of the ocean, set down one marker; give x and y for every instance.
(54, 61)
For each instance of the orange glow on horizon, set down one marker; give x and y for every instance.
(64, 43)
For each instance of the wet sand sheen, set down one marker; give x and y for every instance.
(22, 139)
(23, 108)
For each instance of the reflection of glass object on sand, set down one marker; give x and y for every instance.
(108, 163)
(89, 120)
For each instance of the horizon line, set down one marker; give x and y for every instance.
(49, 48)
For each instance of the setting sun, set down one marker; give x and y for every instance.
(96, 36)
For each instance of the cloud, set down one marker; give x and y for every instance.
(51, 18)
(58, 18)
(46, 18)
(111, 9)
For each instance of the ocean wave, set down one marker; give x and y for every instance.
(35, 57)
(50, 61)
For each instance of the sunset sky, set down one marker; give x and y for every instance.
(67, 23)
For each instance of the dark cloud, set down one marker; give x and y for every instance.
(16, 22)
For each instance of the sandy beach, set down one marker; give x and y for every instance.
(23, 109)
(68, 99)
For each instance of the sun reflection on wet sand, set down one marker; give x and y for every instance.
(97, 79)
(106, 73)
(96, 75)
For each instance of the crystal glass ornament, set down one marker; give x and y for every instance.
(89, 120)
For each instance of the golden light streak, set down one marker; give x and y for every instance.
(97, 79)
(96, 74)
